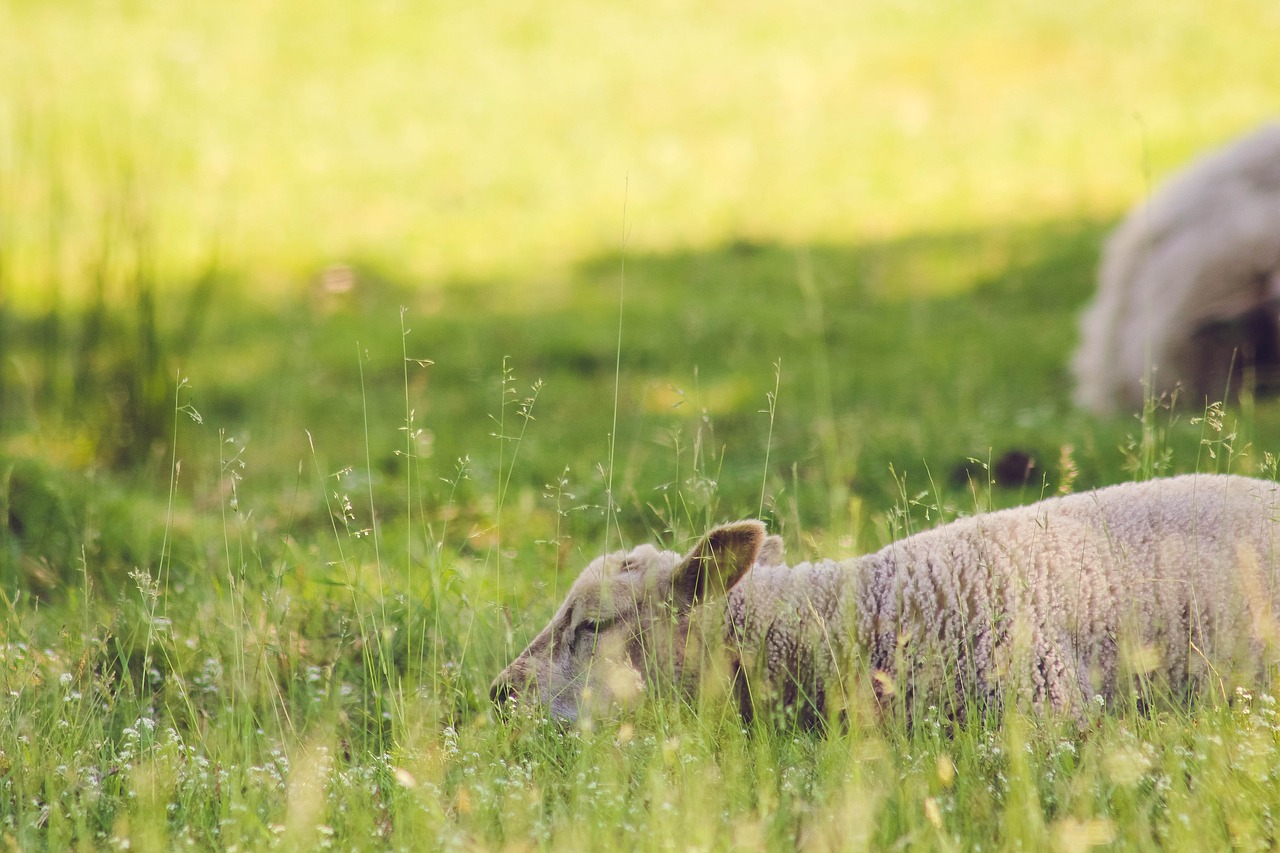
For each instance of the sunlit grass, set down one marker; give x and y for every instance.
(463, 141)
(267, 690)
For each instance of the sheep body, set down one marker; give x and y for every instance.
(1188, 283)
(1169, 585)
(1050, 603)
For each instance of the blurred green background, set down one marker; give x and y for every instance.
(463, 141)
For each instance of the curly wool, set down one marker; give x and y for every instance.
(1171, 584)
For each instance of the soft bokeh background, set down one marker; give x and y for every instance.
(446, 141)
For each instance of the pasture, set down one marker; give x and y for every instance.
(334, 342)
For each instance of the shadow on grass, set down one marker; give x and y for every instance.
(894, 364)
(923, 350)
(927, 349)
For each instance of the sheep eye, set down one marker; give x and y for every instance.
(588, 629)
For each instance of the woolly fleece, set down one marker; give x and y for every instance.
(1204, 248)
(1052, 604)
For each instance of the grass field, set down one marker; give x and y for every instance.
(334, 342)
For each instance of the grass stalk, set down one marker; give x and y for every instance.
(379, 655)
(768, 444)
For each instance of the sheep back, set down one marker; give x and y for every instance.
(1165, 586)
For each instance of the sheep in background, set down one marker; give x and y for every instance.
(1189, 287)
(1166, 587)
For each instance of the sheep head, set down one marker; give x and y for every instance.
(632, 620)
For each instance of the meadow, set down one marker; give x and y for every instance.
(333, 343)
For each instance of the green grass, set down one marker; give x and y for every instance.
(309, 357)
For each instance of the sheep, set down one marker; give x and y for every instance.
(1189, 286)
(1163, 590)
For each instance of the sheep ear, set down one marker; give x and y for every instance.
(718, 561)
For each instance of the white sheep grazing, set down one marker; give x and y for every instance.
(1166, 587)
(1189, 286)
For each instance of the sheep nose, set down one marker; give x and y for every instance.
(501, 692)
